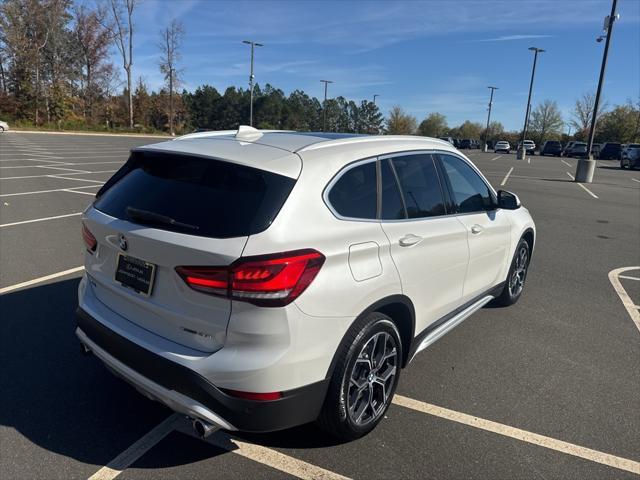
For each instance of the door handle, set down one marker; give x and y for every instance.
(410, 239)
(476, 229)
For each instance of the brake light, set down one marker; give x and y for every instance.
(269, 280)
(89, 240)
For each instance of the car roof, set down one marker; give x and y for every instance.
(277, 150)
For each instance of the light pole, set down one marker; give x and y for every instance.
(374, 98)
(253, 45)
(522, 152)
(486, 131)
(324, 107)
(586, 166)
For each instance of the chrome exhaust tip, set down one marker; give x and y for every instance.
(203, 429)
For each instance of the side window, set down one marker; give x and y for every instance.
(354, 195)
(420, 185)
(469, 191)
(392, 206)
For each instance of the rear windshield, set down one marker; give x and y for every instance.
(198, 196)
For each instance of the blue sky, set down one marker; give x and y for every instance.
(424, 56)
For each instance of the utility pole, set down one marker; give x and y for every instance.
(522, 152)
(251, 76)
(486, 131)
(586, 166)
(324, 108)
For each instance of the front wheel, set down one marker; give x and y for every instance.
(365, 378)
(517, 275)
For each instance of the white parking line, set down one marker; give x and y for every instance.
(46, 191)
(75, 191)
(522, 435)
(257, 453)
(116, 466)
(635, 180)
(40, 219)
(63, 163)
(495, 158)
(581, 185)
(629, 304)
(51, 175)
(566, 163)
(76, 179)
(628, 278)
(62, 168)
(506, 177)
(35, 281)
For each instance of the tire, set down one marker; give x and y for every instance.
(515, 284)
(1, 129)
(358, 395)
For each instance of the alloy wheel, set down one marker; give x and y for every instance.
(372, 379)
(516, 282)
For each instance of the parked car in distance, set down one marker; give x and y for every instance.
(448, 139)
(595, 149)
(578, 150)
(529, 146)
(630, 157)
(610, 151)
(502, 146)
(4, 126)
(567, 148)
(292, 275)
(551, 147)
(466, 143)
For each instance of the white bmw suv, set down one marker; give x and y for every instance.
(260, 280)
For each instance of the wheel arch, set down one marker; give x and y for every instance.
(400, 309)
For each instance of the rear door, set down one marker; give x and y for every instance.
(428, 246)
(169, 210)
(487, 227)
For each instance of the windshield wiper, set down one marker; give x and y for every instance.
(145, 216)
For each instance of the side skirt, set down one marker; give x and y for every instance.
(443, 326)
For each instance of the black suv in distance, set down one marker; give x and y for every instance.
(610, 151)
(466, 143)
(551, 147)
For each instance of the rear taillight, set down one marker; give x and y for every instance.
(89, 240)
(269, 280)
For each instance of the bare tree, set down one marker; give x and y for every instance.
(583, 111)
(546, 120)
(93, 47)
(122, 30)
(171, 38)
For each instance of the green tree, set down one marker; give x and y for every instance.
(619, 125)
(468, 129)
(435, 125)
(400, 123)
(546, 122)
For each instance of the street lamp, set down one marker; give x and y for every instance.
(251, 76)
(522, 152)
(324, 108)
(586, 166)
(486, 131)
(374, 98)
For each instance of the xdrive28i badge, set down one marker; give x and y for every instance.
(122, 242)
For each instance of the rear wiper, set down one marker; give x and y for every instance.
(156, 218)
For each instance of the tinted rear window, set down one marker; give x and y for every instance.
(205, 197)
(354, 195)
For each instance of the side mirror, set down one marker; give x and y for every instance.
(508, 200)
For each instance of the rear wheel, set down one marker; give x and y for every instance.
(517, 275)
(364, 379)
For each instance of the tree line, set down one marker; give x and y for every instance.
(56, 71)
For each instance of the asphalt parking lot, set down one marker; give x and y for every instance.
(549, 388)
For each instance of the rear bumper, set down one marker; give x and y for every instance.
(186, 391)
